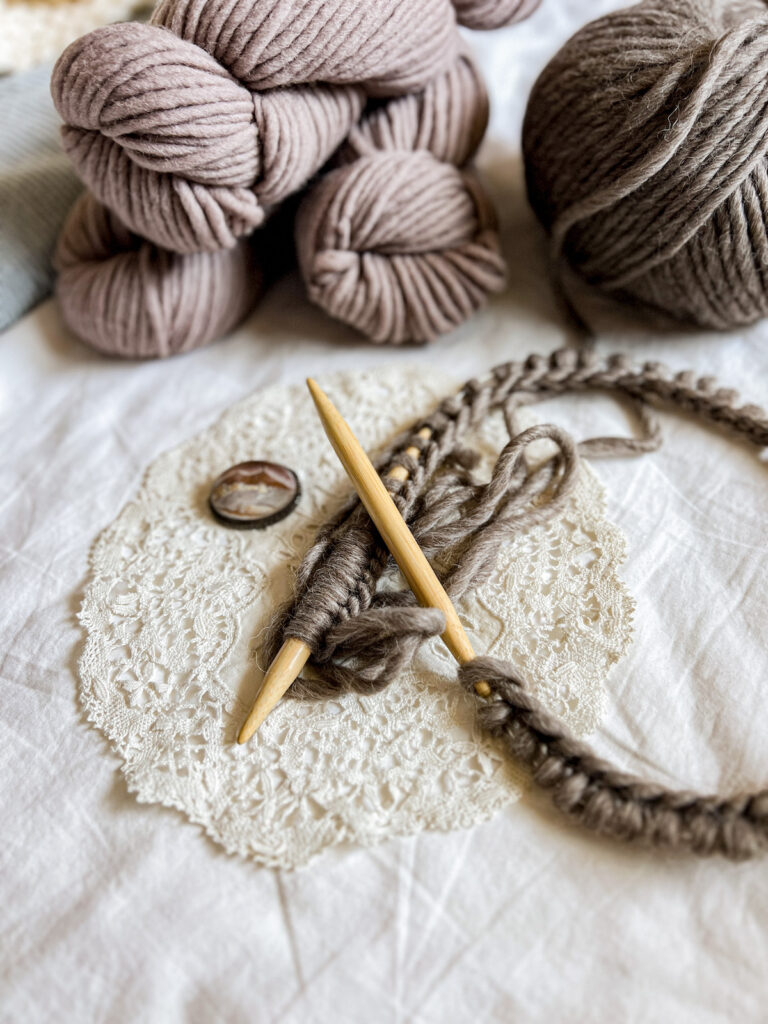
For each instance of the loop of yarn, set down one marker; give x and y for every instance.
(127, 297)
(400, 242)
(360, 639)
(645, 143)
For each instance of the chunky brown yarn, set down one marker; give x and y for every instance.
(645, 144)
(361, 635)
(400, 241)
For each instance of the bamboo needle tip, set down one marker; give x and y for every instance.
(286, 667)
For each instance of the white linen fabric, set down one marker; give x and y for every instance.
(178, 603)
(116, 911)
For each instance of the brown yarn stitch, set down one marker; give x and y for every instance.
(361, 636)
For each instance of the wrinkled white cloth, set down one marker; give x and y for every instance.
(121, 912)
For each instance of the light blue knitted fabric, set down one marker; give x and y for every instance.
(37, 189)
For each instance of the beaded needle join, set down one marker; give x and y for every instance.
(399, 540)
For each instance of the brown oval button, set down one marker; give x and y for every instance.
(253, 495)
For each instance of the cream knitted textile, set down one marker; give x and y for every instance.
(176, 604)
(31, 33)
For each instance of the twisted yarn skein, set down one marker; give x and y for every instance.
(400, 241)
(362, 636)
(645, 143)
(191, 130)
(190, 127)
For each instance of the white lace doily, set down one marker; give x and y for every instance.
(176, 604)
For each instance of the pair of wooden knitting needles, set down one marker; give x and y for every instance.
(293, 655)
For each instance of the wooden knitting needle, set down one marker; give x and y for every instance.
(294, 654)
(393, 528)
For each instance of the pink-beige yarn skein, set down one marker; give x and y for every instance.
(400, 242)
(127, 297)
(191, 127)
(645, 144)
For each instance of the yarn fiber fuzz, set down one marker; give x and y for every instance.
(645, 142)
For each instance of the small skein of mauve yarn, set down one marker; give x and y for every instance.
(130, 298)
(400, 241)
(645, 144)
(488, 14)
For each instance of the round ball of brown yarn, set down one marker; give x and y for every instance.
(400, 242)
(127, 297)
(645, 144)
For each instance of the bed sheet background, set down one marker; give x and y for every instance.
(121, 912)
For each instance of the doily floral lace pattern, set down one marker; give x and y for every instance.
(176, 604)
